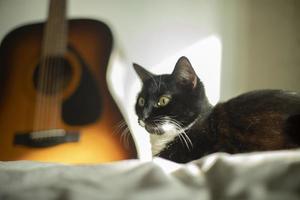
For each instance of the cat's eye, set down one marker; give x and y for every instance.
(163, 101)
(141, 101)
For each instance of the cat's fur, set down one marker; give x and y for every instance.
(189, 127)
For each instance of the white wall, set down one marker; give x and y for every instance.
(261, 45)
(149, 30)
(260, 38)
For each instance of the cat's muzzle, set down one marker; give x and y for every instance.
(151, 128)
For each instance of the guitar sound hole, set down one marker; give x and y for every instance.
(52, 75)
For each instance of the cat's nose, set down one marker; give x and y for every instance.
(146, 114)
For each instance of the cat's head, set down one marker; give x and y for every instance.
(169, 101)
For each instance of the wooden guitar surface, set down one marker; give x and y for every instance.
(89, 47)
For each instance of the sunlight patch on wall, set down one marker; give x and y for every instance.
(205, 57)
(124, 85)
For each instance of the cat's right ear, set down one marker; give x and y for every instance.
(142, 72)
(184, 73)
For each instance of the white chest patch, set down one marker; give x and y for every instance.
(171, 130)
(159, 142)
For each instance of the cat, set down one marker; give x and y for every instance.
(184, 126)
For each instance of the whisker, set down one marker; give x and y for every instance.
(119, 126)
(125, 137)
(183, 137)
(185, 141)
(122, 129)
(182, 133)
(189, 144)
(181, 140)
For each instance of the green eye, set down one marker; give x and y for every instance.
(163, 101)
(141, 101)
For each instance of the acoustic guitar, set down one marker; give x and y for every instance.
(54, 99)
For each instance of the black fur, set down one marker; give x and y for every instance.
(254, 121)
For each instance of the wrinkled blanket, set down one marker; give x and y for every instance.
(268, 175)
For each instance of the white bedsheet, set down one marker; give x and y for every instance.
(268, 175)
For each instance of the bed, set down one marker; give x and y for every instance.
(265, 175)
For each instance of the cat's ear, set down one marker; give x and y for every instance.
(184, 73)
(142, 72)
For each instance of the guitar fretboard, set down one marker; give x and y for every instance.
(55, 31)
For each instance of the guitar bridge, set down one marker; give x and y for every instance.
(46, 138)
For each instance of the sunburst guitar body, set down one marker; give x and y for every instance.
(54, 102)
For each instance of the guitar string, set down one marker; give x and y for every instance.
(55, 88)
(41, 88)
(52, 114)
(60, 82)
(37, 105)
(42, 108)
(55, 73)
(38, 100)
(45, 77)
(63, 42)
(51, 106)
(41, 79)
(59, 66)
(47, 92)
(48, 70)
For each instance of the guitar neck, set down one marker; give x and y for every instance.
(54, 47)
(55, 31)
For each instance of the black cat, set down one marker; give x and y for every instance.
(184, 126)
